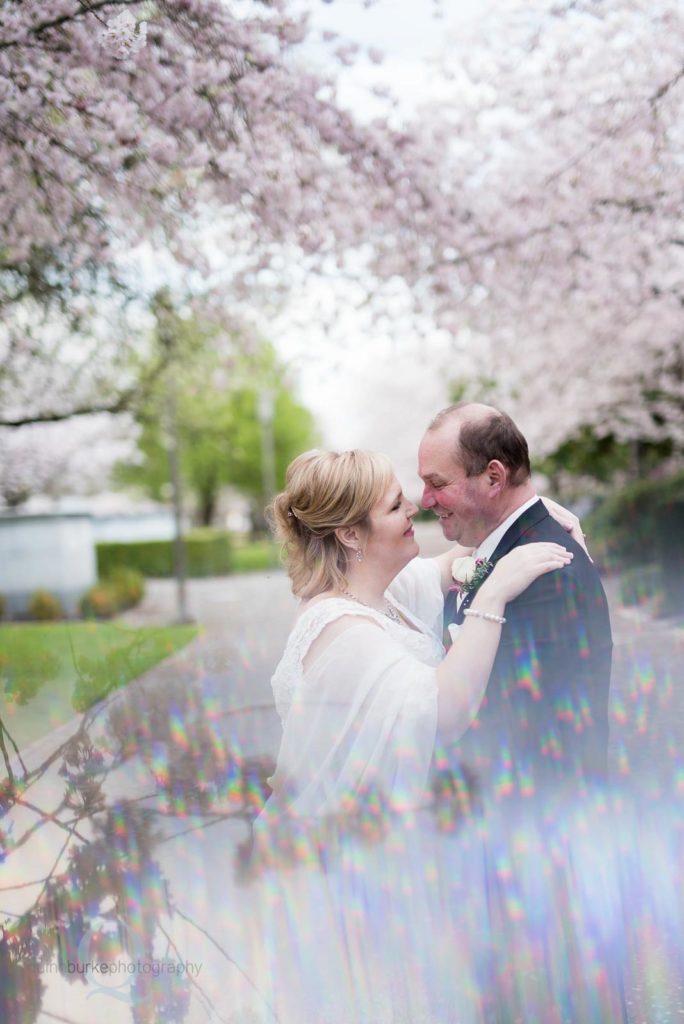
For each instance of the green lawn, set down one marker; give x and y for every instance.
(51, 671)
(255, 556)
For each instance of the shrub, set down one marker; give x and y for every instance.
(99, 601)
(3, 606)
(207, 553)
(128, 586)
(44, 607)
(124, 588)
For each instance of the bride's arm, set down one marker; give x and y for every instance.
(568, 520)
(463, 675)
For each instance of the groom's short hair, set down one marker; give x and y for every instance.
(486, 433)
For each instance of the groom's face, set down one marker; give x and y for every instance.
(457, 499)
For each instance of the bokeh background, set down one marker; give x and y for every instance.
(234, 230)
(236, 236)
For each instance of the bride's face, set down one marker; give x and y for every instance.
(390, 539)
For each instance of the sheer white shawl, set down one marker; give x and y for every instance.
(360, 713)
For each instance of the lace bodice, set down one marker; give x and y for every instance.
(421, 642)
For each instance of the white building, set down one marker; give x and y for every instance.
(46, 552)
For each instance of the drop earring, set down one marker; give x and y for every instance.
(359, 555)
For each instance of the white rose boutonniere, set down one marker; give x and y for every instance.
(462, 570)
(469, 573)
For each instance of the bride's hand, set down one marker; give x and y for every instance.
(514, 573)
(568, 520)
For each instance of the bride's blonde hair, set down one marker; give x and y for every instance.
(323, 492)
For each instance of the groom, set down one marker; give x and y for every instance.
(543, 724)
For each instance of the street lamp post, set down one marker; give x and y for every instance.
(164, 313)
(265, 410)
(179, 560)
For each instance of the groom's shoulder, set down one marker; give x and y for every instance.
(543, 528)
(581, 577)
(548, 529)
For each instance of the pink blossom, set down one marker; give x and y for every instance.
(121, 38)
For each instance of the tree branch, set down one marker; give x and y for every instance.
(5, 732)
(665, 88)
(119, 405)
(226, 955)
(85, 8)
(116, 405)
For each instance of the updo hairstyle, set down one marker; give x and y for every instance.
(323, 492)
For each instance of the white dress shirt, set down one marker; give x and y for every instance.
(489, 545)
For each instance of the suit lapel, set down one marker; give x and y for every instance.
(530, 518)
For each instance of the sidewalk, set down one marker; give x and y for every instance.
(647, 697)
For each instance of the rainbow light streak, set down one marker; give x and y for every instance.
(528, 672)
(178, 727)
(551, 746)
(159, 764)
(666, 689)
(618, 710)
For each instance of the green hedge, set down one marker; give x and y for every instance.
(637, 525)
(257, 556)
(641, 583)
(640, 527)
(207, 553)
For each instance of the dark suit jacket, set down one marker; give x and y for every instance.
(544, 718)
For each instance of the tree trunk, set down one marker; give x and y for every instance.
(207, 505)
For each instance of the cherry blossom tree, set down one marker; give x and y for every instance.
(58, 458)
(562, 270)
(46, 370)
(534, 213)
(126, 121)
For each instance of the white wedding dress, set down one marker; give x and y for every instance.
(360, 907)
(348, 930)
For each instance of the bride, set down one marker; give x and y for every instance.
(362, 908)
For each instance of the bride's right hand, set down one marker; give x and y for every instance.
(514, 573)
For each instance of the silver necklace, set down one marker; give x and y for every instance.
(390, 611)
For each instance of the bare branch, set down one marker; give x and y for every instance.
(227, 956)
(120, 404)
(664, 89)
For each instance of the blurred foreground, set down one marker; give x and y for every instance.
(125, 873)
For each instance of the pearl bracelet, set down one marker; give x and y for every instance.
(489, 616)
